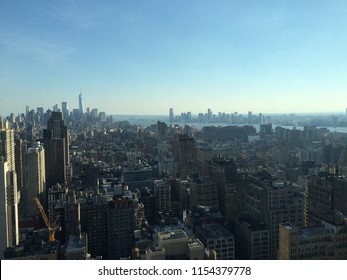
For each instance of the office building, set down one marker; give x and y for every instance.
(252, 240)
(72, 216)
(216, 237)
(324, 193)
(224, 174)
(9, 195)
(81, 105)
(327, 241)
(172, 117)
(206, 192)
(35, 174)
(20, 151)
(270, 202)
(59, 131)
(162, 194)
(57, 195)
(65, 110)
(120, 228)
(97, 229)
(185, 153)
(138, 177)
(55, 159)
(56, 144)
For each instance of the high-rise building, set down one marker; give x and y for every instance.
(162, 131)
(324, 193)
(20, 151)
(72, 217)
(65, 110)
(224, 174)
(35, 177)
(56, 144)
(95, 223)
(185, 152)
(206, 192)
(94, 114)
(102, 117)
(209, 115)
(7, 145)
(120, 228)
(81, 105)
(8, 190)
(57, 125)
(270, 202)
(162, 193)
(171, 115)
(55, 159)
(26, 111)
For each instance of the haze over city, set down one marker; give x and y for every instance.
(143, 57)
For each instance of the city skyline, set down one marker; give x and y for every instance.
(144, 58)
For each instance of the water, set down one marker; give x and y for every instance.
(148, 120)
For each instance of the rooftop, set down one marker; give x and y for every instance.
(215, 231)
(175, 234)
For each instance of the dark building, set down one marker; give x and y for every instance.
(252, 240)
(72, 217)
(216, 237)
(120, 228)
(148, 200)
(224, 174)
(324, 194)
(162, 131)
(265, 129)
(96, 227)
(185, 152)
(59, 131)
(55, 159)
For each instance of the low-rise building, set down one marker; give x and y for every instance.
(175, 245)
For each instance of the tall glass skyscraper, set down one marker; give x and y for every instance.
(81, 106)
(171, 115)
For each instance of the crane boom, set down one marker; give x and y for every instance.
(51, 227)
(42, 211)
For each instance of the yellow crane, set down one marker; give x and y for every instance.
(52, 227)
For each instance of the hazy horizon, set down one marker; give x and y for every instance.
(144, 57)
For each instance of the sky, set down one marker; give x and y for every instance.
(144, 57)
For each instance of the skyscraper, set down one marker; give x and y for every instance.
(171, 115)
(81, 105)
(65, 110)
(185, 153)
(55, 141)
(8, 190)
(35, 176)
(59, 129)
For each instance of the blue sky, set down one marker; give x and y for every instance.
(143, 57)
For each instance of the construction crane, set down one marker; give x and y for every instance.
(52, 227)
